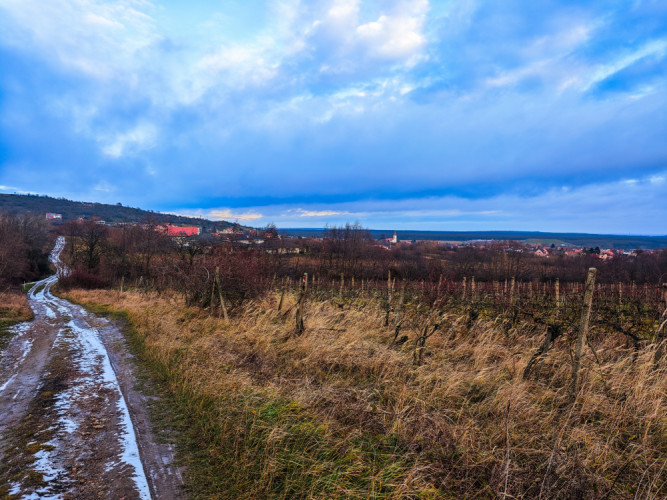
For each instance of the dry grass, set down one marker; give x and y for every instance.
(338, 413)
(14, 308)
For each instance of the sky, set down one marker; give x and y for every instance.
(397, 114)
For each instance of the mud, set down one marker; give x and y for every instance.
(72, 422)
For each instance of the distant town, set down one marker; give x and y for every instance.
(284, 241)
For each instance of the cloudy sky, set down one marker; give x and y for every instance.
(443, 115)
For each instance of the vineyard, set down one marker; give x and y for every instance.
(354, 388)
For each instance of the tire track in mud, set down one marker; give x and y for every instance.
(72, 424)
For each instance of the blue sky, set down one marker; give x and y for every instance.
(406, 114)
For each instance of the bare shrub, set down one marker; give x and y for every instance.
(82, 278)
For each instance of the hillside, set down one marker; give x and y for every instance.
(36, 204)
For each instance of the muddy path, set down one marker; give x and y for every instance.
(72, 423)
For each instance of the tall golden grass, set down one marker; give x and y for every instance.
(14, 308)
(338, 413)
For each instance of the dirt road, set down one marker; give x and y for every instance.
(72, 424)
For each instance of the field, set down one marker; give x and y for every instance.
(409, 391)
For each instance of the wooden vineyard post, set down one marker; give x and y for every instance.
(211, 303)
(301, 305)
(223, 308)
(661, 332)
(282, 296)
(583, 330)
(463, 293)
(342, 284)
(512, 283)
(386, 317)
(397, 314)
(557, 293)
(389, 285)
(662, 327)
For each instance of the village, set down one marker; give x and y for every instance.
(283, 242)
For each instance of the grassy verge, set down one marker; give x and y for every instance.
(252, 443)
(14, 308)
(338, 413)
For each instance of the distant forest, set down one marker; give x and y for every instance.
(40, 205)
(620, 242)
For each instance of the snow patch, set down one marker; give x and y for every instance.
(4, 386)
(93, 362)
(93, 359)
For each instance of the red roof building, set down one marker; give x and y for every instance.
(183, 231)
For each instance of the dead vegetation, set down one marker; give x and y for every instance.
(345, 409)
(14, 308)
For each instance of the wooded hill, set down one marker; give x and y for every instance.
(40, 205)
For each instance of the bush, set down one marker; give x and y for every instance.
(243, 275)
(79, 278)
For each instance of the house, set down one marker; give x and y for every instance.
(181, 231)
(541, 252)
(52, 216)
(606, 254)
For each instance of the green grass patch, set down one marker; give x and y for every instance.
(28, 286)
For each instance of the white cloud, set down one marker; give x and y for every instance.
(319, 213)
(549, 59)
(604, 71)
(99, 39)
(227, 214)
(234, 66)
(143, 136)
(13, 190)
(397, 37)
(104, 187)
(343, 13)
(610, 208)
